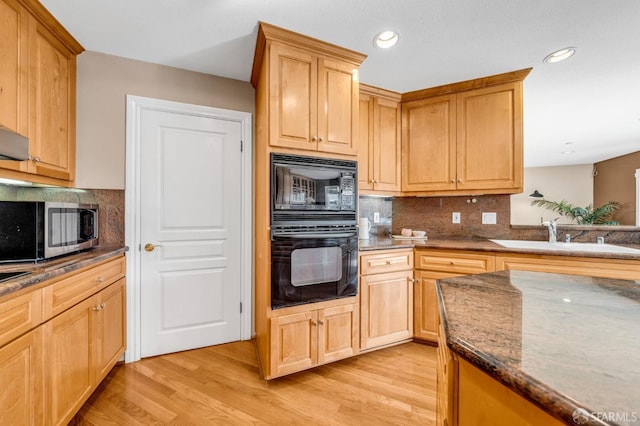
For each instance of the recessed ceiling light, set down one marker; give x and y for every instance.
(386, 39)
(560, 55)
(568, 152)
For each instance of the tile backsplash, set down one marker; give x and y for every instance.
(369, 205)
(433, 215)
(111, 202)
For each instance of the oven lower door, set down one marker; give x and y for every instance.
(308, 268)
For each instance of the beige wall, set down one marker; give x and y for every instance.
(616, 181)
(102, 85)
(570, 183)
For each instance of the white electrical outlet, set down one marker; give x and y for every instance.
(376, 217)
(488, 218)
(455, 217)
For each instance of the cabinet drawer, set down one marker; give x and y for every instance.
(19, 315)
(386, 262)
(454, 262)
(72, 290)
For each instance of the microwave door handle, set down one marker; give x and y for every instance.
(317, 236)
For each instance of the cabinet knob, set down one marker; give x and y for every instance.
(37, 159)
(388, 262)
(313, 323)
(459, 180)
(313, 139)
(320, 322)
(97, 308)
(100, 280)
(321, 139)
(453, 181)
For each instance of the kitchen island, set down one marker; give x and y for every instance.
(567, 344)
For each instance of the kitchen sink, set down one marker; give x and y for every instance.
(584, 247)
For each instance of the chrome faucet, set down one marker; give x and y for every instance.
(553, 230)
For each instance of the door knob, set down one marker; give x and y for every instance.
(151, 247)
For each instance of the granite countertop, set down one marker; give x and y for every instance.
(562, 341)
(46, 270)
(381, 243)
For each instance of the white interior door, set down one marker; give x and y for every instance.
(190, 231)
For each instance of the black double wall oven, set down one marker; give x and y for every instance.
(314, 239)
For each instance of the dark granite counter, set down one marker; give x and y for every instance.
(485, 246)
(45, 270)
(384, 243)
(565, 342)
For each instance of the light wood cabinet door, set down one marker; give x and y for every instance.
(426, 310)
(21, 376)
(489, 138)
(429, 144)
(386, 312)
(337, 108)
(365, 143)
(109, 333)
(293, 98)
(52, 110)
(81, 345)
(69, 377)
(379, 148)
(13, 76)
(446, 383)
(386, 145)
(294, 340)
(337, 333)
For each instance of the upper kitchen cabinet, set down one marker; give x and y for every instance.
(37, 92)
(14, 85)
(379, 147)
(464, 138)
(310, 92)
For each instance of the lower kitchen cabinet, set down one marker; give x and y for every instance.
(434, 265)
(386, 298)
(447, 379)
(608, 268)
(425, 305)
(83, 344)
(387, 309)
(301, 340)
(21, 376)
(59, 341)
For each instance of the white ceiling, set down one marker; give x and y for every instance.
(591, 100)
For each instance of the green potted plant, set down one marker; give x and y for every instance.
(582, 215)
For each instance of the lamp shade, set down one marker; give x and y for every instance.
(536, 194)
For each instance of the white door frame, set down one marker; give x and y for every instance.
(135, 104)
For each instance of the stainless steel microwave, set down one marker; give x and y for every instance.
(38, 230)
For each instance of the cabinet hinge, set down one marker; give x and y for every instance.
(240, 307)
(241, 146)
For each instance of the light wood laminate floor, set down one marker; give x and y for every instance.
(220, 385)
